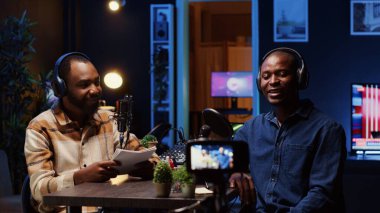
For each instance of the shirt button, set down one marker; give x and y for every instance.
(84, 165)
(82, 143)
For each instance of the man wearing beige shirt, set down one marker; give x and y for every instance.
(73, 142)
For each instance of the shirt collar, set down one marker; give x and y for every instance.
(303, 111)
(64, 120)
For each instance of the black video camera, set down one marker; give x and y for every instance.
(212, 158)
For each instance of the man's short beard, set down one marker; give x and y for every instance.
(88, 110)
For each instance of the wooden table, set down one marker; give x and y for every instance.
(127, 194)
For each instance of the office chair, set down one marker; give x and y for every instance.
(9, 202)
(26, 197)
(216, 126)
(5, 177)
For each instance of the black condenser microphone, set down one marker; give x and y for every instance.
(123, 116)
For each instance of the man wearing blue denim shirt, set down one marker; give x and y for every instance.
(297, 153)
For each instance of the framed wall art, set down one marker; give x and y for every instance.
(290, 20)
(365, 17)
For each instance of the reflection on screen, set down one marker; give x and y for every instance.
(211, 157)
(231, 84)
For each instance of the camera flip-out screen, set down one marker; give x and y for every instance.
(217, 156)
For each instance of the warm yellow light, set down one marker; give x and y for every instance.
(114, 5)
(113, 80)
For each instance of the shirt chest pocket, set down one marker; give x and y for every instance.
(297, 160)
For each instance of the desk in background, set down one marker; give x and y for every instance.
(361, 185)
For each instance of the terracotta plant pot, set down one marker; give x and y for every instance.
(162, 189)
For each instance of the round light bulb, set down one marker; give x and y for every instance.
(114, 5)
(113, 80)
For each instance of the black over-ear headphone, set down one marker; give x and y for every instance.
(302, 73)
(58, 84)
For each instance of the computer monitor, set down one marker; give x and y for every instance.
(236, 84)
(365, 118)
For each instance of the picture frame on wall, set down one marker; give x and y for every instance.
(291, 18)
(365, 17)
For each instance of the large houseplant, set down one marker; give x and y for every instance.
(17, 90)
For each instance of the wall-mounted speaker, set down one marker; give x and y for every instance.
(161, 31)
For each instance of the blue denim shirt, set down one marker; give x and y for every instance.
(298, 166)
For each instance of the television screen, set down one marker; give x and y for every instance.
(231, 84)
(365, 129)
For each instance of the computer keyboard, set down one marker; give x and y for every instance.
(177, 154)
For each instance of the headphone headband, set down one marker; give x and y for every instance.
(286, 50)
(58, 84)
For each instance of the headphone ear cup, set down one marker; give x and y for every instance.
(59, 87)
(258, 82)
(303, 78)
(55, 89)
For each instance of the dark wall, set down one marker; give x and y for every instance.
(121, 40)
(335, 58)
(112, 41)
(48, 31)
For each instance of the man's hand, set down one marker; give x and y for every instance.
(246, 188)
(143, 170)
(96, 172)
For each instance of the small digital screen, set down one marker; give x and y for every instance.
(211, 157)
(365, 118)
(231, 84)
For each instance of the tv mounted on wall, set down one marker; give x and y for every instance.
(365, 118)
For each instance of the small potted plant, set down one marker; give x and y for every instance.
(185, 181)
(149, 141)
(162, 179)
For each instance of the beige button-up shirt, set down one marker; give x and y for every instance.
(55, 147)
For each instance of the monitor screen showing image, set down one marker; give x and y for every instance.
(231, 84)
(365, 118)
(211, 157)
